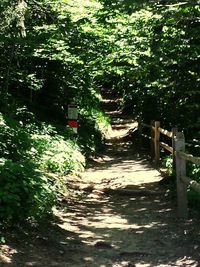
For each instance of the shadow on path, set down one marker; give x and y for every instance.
(109, 231)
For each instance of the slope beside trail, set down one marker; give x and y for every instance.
(120, 214)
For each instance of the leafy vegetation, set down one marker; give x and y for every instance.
(29, 152)
(54, 53)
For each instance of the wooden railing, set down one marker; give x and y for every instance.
(177, 149)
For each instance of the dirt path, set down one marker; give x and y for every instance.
(121, 215)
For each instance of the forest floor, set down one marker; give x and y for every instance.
(120, 213)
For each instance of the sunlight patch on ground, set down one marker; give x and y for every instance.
(123, 173)
(87, 227)
(6, 253)
(121, 132)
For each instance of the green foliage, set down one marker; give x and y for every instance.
(14, 142)
(2, 240)
(54, 154)
(163, 77)
(168, 164)
(93, 127)
(29, 149)
(24, 191)
(194, 174)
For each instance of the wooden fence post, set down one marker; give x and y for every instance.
(157, 142)
(174, 131)
(139, 135)
(152, 140)
(181, 172)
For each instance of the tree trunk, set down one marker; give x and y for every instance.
(21, 10)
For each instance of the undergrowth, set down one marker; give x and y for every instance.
(193, 172)
(35, 158)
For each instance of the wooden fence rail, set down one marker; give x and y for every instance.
(177, 149)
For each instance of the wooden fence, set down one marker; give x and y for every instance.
(177, 149)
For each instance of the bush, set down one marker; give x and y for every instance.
(29, 149)
(94, 126)
(24, 191)
(14, 141)
(56, 155)
(168, 164)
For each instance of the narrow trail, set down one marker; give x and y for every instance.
(123, 217)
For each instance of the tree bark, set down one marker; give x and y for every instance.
(21, 10)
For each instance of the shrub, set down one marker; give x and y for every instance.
(94, 126)
(29, 149)
(58, 155)
(24, 191)
(14, 141)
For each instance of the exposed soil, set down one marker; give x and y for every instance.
(120, 214)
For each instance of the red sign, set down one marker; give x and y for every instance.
(73, 123)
